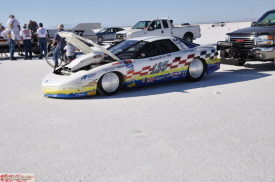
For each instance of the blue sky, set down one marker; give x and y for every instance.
(128, 12)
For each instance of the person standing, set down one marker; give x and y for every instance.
(42, 36)
(9, 35)
(25, 35)
(61, 43)
(16, 30)
(70, 51)
(2, 28)
(32, 26)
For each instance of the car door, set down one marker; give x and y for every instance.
(110, 34)
(156, 62)
(166, 32)
(155, 28)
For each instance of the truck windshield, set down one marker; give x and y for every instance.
(141, 25)
(266, 19)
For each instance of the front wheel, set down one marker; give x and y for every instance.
(50, 60)
(240, 62)
(99, 39)
(110, 83)
(196, 70)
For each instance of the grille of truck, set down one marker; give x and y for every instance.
(119, 36)
(247, 41)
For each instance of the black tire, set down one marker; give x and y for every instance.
(224, 54)
(241, 62)
(196, 70)
(110, 83)
(100, 39)
(50, 60)
(213, 25)
(188, 38)
(222, 25)
(36, 49)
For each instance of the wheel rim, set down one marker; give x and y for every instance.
(100, 39)
(196, 68)
(110, 82)
(188, 39)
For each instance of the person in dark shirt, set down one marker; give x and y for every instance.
(61, 43)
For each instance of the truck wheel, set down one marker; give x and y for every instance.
(240, 62)
(99, 39)
(222, 25)
(188, 38)
(224, 54)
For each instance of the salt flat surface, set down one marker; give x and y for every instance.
(219, 129)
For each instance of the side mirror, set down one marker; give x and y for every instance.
(253, 23)
(150, 29)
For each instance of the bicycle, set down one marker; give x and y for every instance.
(61, 58)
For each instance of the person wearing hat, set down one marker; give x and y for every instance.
(25, 35)
(16, 30)
(9, 35)
(42, 36)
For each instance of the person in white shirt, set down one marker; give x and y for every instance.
(9, 35)
(25, 35)
(2, 28)
(16, 29)
(42, 36)
(69, 48)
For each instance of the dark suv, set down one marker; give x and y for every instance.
(255, 43)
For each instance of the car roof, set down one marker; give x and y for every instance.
(150, 38)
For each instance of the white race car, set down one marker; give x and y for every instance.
(134, 62)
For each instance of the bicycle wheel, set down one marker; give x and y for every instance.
(50, 60)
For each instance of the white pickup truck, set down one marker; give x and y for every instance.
(159, 27)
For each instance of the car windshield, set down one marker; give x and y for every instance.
(127, 49)
(103, 30)
(141, 25)
(266, 19)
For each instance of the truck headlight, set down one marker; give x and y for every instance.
(227, 38)
(264, 39)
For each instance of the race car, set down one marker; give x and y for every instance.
(131, 63)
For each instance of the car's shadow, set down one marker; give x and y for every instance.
(241, 74)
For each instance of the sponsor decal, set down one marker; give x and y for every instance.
(116, 63)
(150, 79)
(183, 73)
(175, 77)
(91, 93)
(121, 66)
(17, 177)
(133, 84)
(88, 77)
(143, 80)
(159, 78)
(131, 80)
(175, 73)
(166, 76)
(129, 64)
(109, 69)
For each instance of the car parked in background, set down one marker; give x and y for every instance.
(219, 24)
(107, 34)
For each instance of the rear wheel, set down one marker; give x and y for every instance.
(110, 83)
(188, 38)
(196, 70)
(50, 60)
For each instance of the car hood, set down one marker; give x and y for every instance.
(79, 42)
(253, 30)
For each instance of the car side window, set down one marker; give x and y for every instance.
(158, 48)
(156, 24)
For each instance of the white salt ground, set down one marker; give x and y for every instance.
(219, 129)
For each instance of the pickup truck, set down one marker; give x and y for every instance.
(159, 27)
(219, 24)
(255, 43)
